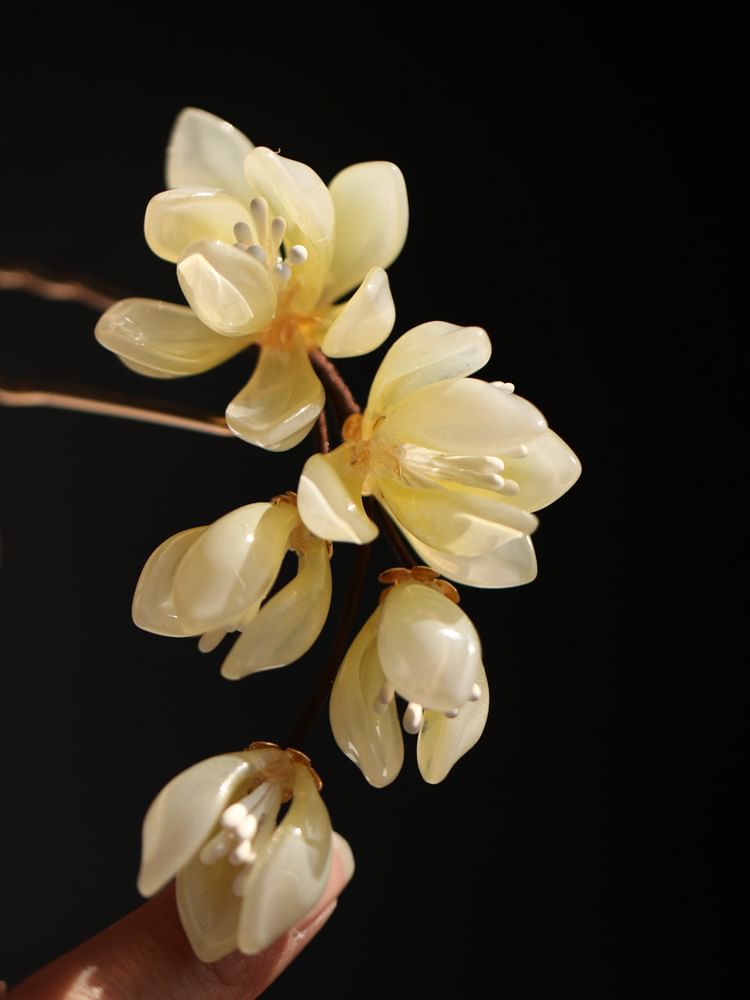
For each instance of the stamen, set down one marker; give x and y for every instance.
(210, 640)
(243, 233)
(248, 827)
(297, 254)
(216, 848)
(283, 272)
(517, 451)
(476, 693)
(452, 713)
(257, 252)
(233, 816)
(412, 720)
(278, 228)
(505, 387)
(510, 487)
(385, 696)
(259, 212)
(243, 854)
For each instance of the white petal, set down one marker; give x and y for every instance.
(163, 340)
(443, 741)
(296, 193)
(185, 812)
(153, 605)
(181, 216)
(232, 565)
(288, 625)
(510, 564)
(329, 497)
(227, 289)
(372, 217)
(428, 353)
(282, 400)
(549, 469)
(208, 907)
(463, 521)
(464, 416)
(371, 739)
(365, 321)
(428, 647)
(291, 872)
(206, 151)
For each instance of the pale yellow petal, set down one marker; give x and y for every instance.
(232, 565)
(282, 400)
(208, 907)
(163, 340)
(365, 321)
(510, 564)
(227, 289)
(177, 218)
(465, 522)
(153, 603)
(443, 741)
(368, 733)
(464, 416)
(329, 497)
(205, 151)
(427, 353)
(296, 193)
(372, 217)
(289, 623)
(184, 813)
(547, 471)
(428, 647)
(291, 871)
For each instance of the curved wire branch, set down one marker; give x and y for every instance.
(55, 287)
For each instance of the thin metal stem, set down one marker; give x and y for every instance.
(323, 438)
(392, 535)
(336, 388)
(55, 287)
(61, 396)
(346, 621)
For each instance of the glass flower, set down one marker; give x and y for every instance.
(215, 579)
(263, 250)
(458, 463)
(420, 645)
(243, 878)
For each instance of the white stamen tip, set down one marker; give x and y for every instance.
(505, 386)
(242, 854)
(283, 271)
(452, 713)
(519, 451)
(258, 252)
(510, 487)
(385, 696)
(297, 254)
(412, 721)
(233, 816)
(247, 828)
(476, 693)
(278, 228)
(259, 210)
(243, 233)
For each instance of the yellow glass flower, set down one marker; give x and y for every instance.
(212, 580)
(418, 644)
(459, 464)
(263, 250)
(243, 878)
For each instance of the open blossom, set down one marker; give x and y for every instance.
(459, 464)
(263, 250)
(243, 878)
(420, 645)
(212, 580)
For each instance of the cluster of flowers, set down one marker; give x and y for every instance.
(265, 251)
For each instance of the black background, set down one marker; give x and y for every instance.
(573, 188)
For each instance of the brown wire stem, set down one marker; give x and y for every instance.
(391, 532)
(346, 621)
(62, 396)
(55, 287)
(324, 440)
(336, 388)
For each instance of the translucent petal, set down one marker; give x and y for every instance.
(296, 193)
(162, 339)
(443, 741)
(186, 810)
(372, 217)
(371, 739)
(227, 289)
(208, 907)
(153, 606)
(181, 216)
(329, 497)
(282, 400)
(428, 648)
(462, 521)
(206, 151)
(427, 353)
(291, 621)
(510, 564)
(232, 565)
(549, 469)
(365, 321)
(464, 416)
(291, 872)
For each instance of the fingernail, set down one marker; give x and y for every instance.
(346, 857)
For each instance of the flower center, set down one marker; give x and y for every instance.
(264, 240)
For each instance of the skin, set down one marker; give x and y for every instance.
(145, 956)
